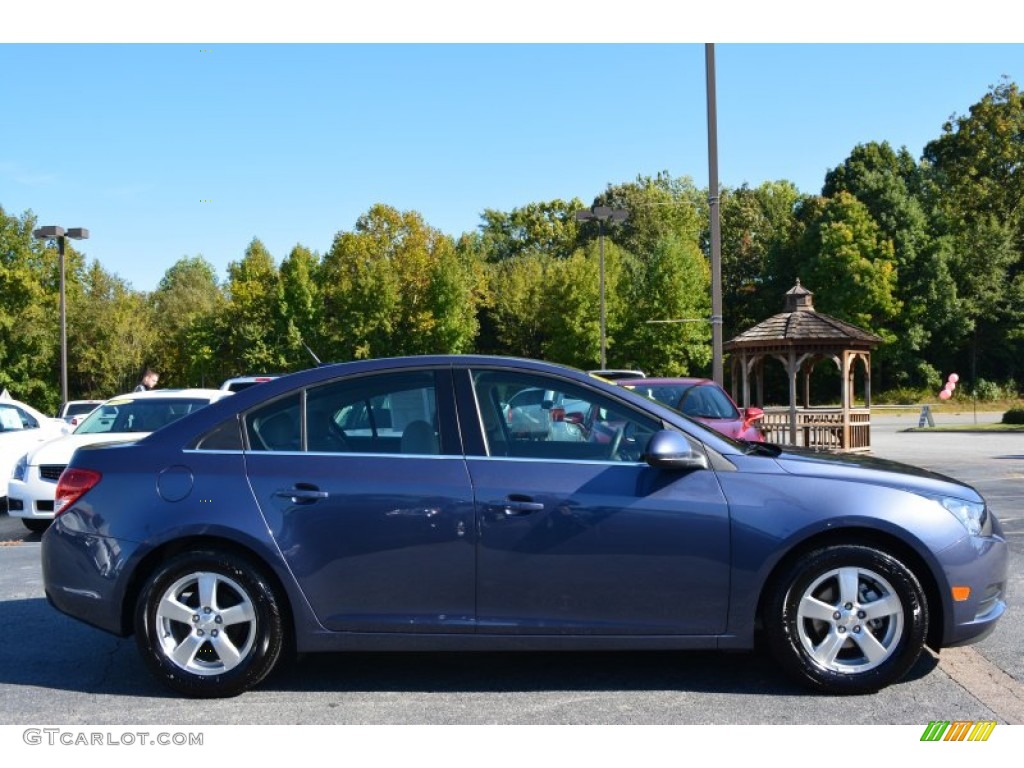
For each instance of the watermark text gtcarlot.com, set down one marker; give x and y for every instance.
(72, 738)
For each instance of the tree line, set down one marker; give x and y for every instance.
(926, 252)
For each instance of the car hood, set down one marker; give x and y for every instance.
(873, 470)
(59, 451)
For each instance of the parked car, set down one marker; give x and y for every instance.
(73, 411)
(238, 383)
(539, 414)
(705, 401)
(33, 481)
(21, 427)
(289, 515)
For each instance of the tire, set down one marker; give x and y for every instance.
(847, 619)
(35, 525)
(209, 625)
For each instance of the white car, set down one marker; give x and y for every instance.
(239, 383)
(21, 427)
(131, 416)
(75, 411)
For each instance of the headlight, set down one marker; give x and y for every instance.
(972, 514)
(20, 469)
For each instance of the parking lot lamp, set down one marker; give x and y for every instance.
(59, 234)
(601, 214)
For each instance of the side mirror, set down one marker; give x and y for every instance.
(750, 415)
(672, 450)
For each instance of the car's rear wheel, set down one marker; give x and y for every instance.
(36, 526)
(847, 619)
(208, 624)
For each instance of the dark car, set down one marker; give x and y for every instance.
(703, 400)
(386, 505)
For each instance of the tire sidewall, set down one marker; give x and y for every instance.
(260, 658)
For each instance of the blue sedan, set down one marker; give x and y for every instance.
(387, 505)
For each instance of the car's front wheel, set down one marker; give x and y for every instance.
(847, 619)
(208, 624)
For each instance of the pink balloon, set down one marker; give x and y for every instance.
(954, 378)
(945, 394)
(950, 386)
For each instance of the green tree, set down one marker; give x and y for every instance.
(187, 299)
(110, 335)
(396, 286)
(518, 310)
(451, 298)
(253, 318)
(572, 298)
(976, 162)
(302, 308)
(976, 189)
(850, 266)
(29, 332)
(537, 228)
(660, 206)
(756, 224)
(888, 183)
(673, 283)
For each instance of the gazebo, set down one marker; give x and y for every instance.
(800, 338)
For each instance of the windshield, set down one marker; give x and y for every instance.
(126, 415)
(77, 409)
(701, 401)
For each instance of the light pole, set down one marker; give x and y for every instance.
(717, 367)
(601, 214)
(59, 234)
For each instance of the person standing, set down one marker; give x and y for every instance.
(148, 380)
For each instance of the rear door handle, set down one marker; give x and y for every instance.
(302, 494)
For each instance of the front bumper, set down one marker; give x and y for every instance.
(31, 498)
(980, 563)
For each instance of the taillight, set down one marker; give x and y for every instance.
(72, 485)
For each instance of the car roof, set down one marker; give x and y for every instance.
(663, 380)
(258, 378)
(172, 394)
(36, 413)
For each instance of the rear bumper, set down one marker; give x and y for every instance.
(83, 575)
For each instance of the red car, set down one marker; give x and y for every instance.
(704, 401)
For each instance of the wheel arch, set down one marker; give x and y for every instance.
(159, 555)
(876, 539)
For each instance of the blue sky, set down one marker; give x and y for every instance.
(171, 150)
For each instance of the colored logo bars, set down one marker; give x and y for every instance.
(958, 730)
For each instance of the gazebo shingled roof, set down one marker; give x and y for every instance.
(801, 324)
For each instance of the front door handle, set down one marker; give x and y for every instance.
(514, 507)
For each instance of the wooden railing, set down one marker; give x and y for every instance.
(819, 428)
